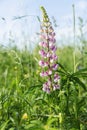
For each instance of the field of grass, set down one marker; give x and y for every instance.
(23, 103)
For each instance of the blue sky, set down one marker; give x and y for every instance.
(60, 9)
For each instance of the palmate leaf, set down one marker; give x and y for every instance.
(61, 72)
(78, 81)
(82, 72)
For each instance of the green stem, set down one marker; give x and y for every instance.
(76, 109)
(67, 98)
(74, 31)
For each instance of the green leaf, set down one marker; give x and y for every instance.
(62, 66)
(77, 80)
(11, 128)
(61, 72)
(3, 126)
(82, 72)
(35, 125)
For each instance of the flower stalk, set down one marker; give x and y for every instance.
(48, 54)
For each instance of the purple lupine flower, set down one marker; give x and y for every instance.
(42, 53)
(46, 88)
(53, 40)
(53, 34)
(45, 45)
(42, 63)
(55, 86)
(50, 72)
(48, 55)
(53, 48)
(44, 73)
(55, 66)
(41, 43)
(56, 77)
(53, 58)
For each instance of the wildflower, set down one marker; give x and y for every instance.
(55, 66)
(25, 116)
(56, 77)
(42, 63)
(42, 53)
(48, 54)
(46, 86)
(55, 86)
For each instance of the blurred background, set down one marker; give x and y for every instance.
(19, 25)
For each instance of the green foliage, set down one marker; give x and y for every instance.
(23, 104)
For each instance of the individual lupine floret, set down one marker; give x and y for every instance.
(48, 55)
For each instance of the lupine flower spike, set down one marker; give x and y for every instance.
(48, 54)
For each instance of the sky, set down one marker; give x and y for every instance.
(25, 29)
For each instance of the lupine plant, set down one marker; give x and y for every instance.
(48, 54)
